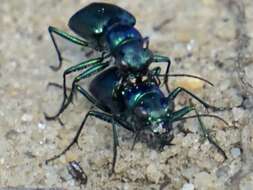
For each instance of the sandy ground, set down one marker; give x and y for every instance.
(207, 38)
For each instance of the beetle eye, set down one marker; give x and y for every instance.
(141, 112)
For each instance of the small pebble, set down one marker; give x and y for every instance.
(153, 173)
(204, 180)
(41, 125)
(26, 117)
(70, 156)
(190, 45)
(2, 160)
(247, 182)
(237, 113)
(191, 84)
(235, 152)
(188, 186)
(209, 2)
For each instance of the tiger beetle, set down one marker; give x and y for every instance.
(110, 30)
(140, 106)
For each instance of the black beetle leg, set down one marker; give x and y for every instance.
(160, 58)
(87, 73)
(154, 73)
(178, 115)
(52, 30)
(99, 115)
(136, 136)
(176, 91)
(115, 145)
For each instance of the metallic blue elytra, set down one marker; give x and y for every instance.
(93, 21)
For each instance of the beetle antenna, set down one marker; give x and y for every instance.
(205, 115)
(186, 75)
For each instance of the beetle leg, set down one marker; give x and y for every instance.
(103, 116)
(100, 115)
(52, 30)
(205, 115)
(160, 58)
(87, 73)
(208, 137)
(118, 120)
(115, 145)
(137, 134)
(81, 66)
(176, 91)
(90, 98)
(53, 84)
(178, 115)
(74, 141)
(155, 72)
(78, 67)
(165, 141)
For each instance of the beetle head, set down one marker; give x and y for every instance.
(134, 57)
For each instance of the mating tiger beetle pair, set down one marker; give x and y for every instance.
(126, 94)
